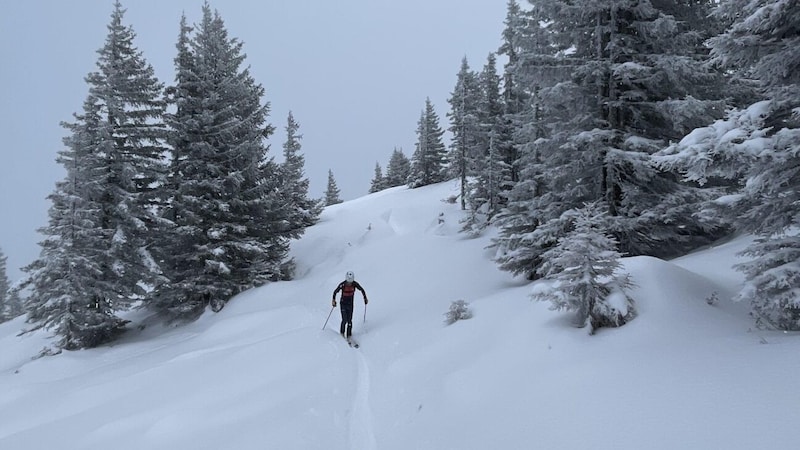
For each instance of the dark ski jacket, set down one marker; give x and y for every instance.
(348, 290)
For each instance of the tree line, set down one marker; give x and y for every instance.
(622, 127)
(171, 200)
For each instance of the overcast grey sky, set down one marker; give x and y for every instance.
(355, 74)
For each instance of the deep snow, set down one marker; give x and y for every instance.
(263, 374)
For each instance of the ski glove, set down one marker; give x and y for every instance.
(333, 302)
(365, 300)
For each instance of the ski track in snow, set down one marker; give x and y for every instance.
(361, 434)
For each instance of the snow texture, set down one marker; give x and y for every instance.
(262, 374)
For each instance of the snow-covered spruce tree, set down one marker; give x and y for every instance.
(514, 90)
(719, 158)
(378, 182)
(228, 223)
(513, 47)
(771, 199)
(70, 291)
(762, 44)
(581, 273)
(534, 74)
(428, 163)
(176, 248)
(95, 258)
(302, 210)
(398, 169)
(493, 176)
(132, 168)
(512, 93)
(465, 127)
(332, 191)
(773, 281)
(743, 151)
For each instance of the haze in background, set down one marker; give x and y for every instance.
(354, 73)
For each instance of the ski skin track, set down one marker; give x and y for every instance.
(361, 434)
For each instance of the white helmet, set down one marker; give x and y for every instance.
(349, 277)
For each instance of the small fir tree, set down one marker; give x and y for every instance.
(332, 191)
(398, 169)
(302, 210)
(582, 273)
(378, 182)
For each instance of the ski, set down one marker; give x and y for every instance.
(350, 341)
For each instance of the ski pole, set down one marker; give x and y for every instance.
(329, 316)
(365, 313)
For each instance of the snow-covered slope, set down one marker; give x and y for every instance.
(263, 374)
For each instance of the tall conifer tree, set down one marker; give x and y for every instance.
(71, 294)
(495, 162)
(762, 44)
(536, 71)
(302, 210)
(428, 164)
(95, 259)
(132, 108)
(227, 223)
(761, 164)
(465, 150)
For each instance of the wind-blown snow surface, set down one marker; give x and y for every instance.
(262, 374)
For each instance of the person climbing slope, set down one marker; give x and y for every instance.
(348, 288)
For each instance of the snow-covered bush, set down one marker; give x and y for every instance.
(713, 299)
(459, 310)
(773, 277)
(581, 274)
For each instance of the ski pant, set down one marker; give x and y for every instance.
(346, 305)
